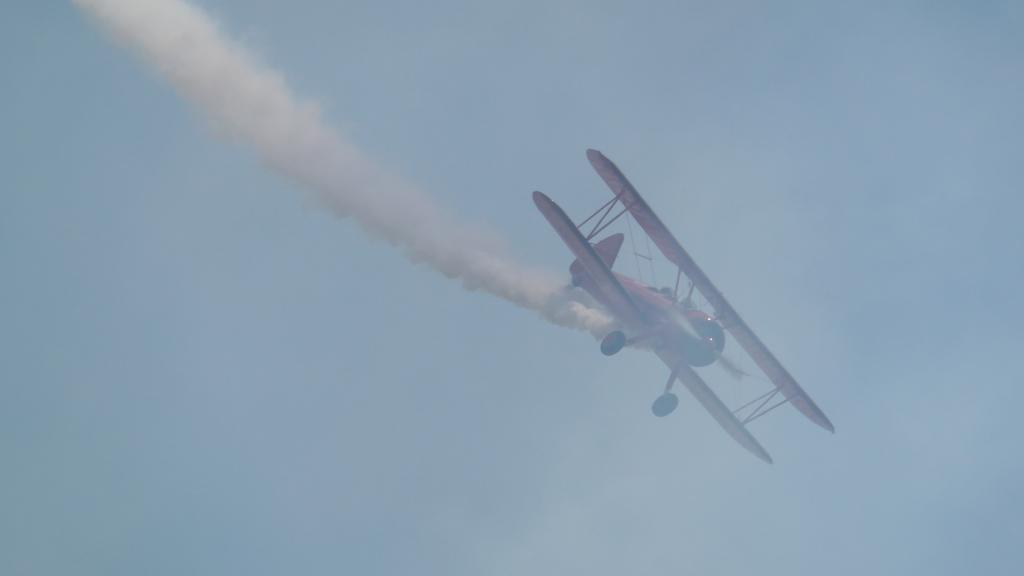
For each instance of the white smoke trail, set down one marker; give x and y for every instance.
(253, 105)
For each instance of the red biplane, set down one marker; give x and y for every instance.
(680, 333)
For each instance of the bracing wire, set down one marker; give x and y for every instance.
(632, 246)
(650, 260)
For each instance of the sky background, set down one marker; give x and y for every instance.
(203, 373)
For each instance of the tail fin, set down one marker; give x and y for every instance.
(607, 249)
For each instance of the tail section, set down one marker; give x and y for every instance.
(607, 249)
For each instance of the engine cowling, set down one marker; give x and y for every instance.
(710, 340)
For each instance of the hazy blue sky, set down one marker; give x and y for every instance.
(203, 373)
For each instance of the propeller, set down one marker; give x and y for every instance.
(731, 368)
(727, 364)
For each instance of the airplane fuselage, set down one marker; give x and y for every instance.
(669, 324)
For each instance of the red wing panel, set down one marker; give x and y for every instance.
(614, 295)
(726, 314)
(712, 403)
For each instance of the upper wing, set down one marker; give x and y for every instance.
(614, 295)
(726, 314)
(711, 402)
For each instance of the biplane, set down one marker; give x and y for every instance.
(678, 331)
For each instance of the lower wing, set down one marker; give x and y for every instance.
(711, 402)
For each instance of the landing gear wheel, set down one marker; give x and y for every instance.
(665, 404)
(613, 342)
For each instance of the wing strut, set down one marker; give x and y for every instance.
(604, 210)
(760, 410)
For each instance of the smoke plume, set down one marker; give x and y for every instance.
(254, 106)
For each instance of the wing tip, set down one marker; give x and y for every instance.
(595, 156)
(760, 452)
(819, 418)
